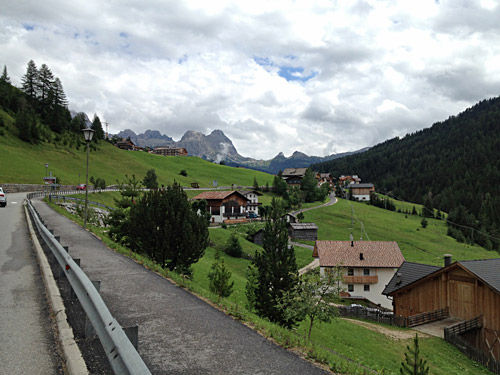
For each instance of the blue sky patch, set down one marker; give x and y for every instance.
(123, 34)
(291, 73)
(28, 26)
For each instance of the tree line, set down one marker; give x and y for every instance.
(454, 167)
(40, 108)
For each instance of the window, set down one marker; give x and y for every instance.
(366, 272)
(366, 288)
(350, 272)
(350, 287)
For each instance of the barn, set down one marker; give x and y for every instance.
(468, 289)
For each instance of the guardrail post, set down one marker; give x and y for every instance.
(133, 335)
(89, 328)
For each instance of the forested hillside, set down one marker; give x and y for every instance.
(454, 166)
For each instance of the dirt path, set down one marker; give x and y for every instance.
(394, 334)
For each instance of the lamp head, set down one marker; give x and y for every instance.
(88, 134)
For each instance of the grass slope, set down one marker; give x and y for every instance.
(417, 244)
(25, 163)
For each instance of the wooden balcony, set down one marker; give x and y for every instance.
(360, 279)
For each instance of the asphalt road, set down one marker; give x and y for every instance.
(178, 333)
(27, 344)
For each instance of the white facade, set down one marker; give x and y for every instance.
(367, 283)
(361, 197)
(253, 205)
(223, 214)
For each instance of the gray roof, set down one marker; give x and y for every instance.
(246, 192)
(409, 273)
(304, 226)
(488, 270)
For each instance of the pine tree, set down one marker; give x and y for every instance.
(219, 277)
(309, 185)
(233, 247)
(428, 209)
(150, 181)
(413, 364)
(5, 77)
(58, 94)
(97, 127)
(276, 268)
(255, 183)
(45, 83)
(30, 80)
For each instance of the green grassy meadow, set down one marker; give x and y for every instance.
(24, 163)
(417, 244)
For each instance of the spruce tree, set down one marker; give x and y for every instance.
(30, 80)
(45, 83)
(97, 127)
(413, 364)
(219, 277)
(150, 181)
(233, 247)
(276, 268)
(5, 77)
(309, 185)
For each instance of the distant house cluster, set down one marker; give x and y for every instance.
(127, 144)
(294, 177)
(169, 151)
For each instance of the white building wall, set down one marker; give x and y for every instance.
(361, 197)
(375, 294)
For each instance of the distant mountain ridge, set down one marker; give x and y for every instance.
(218, 147)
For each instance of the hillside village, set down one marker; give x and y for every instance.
(401, 278)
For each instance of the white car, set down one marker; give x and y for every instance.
(3, 198)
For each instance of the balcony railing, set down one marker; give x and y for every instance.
(361, 279)
(234, 214)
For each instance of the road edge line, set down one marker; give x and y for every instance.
(73, 357)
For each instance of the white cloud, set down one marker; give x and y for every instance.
(367, 70)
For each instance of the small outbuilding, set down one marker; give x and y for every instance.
(303, 231)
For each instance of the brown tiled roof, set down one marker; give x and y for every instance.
(216, 195)
(375, 254)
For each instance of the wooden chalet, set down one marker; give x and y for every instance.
(361, 191)
(225, 205)
(293, 176)
(126, 144)
(468, 289)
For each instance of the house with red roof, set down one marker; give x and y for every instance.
(225, 205)
(368, 266)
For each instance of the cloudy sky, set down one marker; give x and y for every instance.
(320, 77)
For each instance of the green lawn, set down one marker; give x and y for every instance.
(417, 244)
(25, 163)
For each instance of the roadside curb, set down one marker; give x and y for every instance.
(73, 357)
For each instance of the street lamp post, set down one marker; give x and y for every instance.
(45, 182)
(87, 133)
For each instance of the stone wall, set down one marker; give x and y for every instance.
(28, 188)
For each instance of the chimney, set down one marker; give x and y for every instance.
(361, 256)
(352, 240)
(398, 278)
(447, 260)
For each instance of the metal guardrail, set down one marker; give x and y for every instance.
(121, 354)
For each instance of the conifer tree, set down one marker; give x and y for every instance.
(30, 80)
(97, 127)
(413, 364)
(219, 277)
(45, 83)
(233, 247)
(150, 181)
(5, 77)
(276, 269)
(309, 185)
